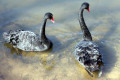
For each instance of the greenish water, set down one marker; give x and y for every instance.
(59, 63)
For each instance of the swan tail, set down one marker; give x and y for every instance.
(12, 36)
(6, 36)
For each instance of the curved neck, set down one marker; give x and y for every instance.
(86, 33)
(42, 30)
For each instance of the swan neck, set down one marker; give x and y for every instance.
(42, 29)
(86, 33)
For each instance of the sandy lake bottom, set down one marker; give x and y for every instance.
(59, 63)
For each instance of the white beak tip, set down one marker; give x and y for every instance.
(53, 21)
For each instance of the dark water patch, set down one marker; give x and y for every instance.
(109, 57)
(109, 54)
(2, 77)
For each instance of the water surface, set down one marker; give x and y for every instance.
(59, 63)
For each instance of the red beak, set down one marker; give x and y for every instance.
(52, 20)
(88, 10)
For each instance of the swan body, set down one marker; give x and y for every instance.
(29, 41)
(86, 51)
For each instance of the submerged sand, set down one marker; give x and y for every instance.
(59, 62)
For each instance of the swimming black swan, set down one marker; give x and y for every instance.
(87, 52)
(29, 41)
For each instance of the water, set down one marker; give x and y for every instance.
(59, 63)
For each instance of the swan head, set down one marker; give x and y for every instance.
(49, 16)
(85, 5)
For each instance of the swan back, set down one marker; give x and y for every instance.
(25, 40)
(87, 54)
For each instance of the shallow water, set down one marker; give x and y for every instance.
(59, 63)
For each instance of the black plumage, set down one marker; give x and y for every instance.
(29, 41)
(87, 52)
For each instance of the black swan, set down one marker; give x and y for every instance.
(86, 51)
(29, 41)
